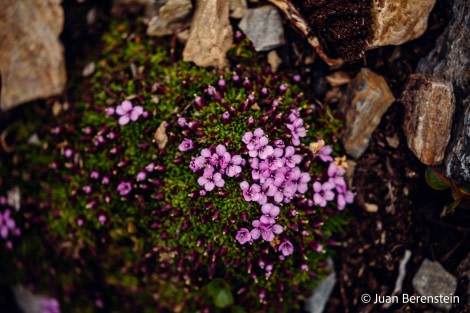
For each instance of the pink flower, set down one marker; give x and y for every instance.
(243, 236)
(233, 166)
(124, 188)
(323, 193)
(250, 193)
(7, 224)
(186, 145)
(286, 248)
(128, 112)
(209, 180)
(291, 159)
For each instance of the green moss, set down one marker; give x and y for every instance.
(159, 247)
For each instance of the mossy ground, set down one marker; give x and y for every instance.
(159, 248)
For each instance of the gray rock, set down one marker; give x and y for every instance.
(366, 100)
(263, 27)
(433, 280)
(210, 35)
(32, 62)
(316, 303)
(450, 59)
(429, 109)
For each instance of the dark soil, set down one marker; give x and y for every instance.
(341, 25)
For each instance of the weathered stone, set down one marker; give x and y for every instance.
(429, 109)
(210, 35)
(159, 27)
(433, 280)
(398, 21)
(176, 10)
(238, 8)
(450, 59)
(174, 19)
(274, 60)
(366, 100)
(263, 27)
(32, 62)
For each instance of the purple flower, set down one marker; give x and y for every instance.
(128, 112)
(209, 179)
(300, 179)
(150, 167)
(109, 111)
(255, 172)
(286, 248)
(325, 153)
(124, 188)
(270, 212)
(275, 160)
(335, 174)
(344, 198)
(219, 158)
(243, 236)
(186, 145)
(267, 232)
(279, 144)
(297, 130)
(250, 193)
(252, 140)
(203, 160)
(141, 176)
(323, 193)
(6, 224)
(182, 122)
(291, 159)
(233, 165)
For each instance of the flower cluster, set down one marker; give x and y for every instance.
(277, 178)
(324, 191)
(215, 164)
(126, 112)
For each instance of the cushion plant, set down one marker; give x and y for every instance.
(161, 186)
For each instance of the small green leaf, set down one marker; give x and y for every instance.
(436, 180)
(223, 298)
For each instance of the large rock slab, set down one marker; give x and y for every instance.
(210, 35)
(450, 59)
(398, 21)
(32, 62)
(433, 280)
(429, 109)
(368, 97)
(263, 27)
